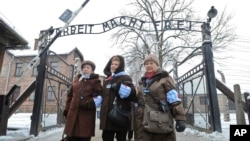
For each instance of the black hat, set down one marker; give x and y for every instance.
(88, 62)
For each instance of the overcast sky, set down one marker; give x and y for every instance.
(28, 17)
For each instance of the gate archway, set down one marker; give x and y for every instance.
(46, 42)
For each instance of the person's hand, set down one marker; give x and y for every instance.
(180, 125)
(87, 103)
(97, 100)
(65, 113)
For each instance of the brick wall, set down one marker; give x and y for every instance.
(8, 79)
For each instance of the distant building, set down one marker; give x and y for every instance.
(195, 98)
(9, 39)
(55, 88)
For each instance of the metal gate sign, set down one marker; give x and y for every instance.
(135, 23)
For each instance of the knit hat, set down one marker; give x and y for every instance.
(92, 64)
(152, 57)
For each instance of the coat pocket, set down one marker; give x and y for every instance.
(157, 121)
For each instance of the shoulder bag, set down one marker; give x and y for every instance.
(119, 116)
(157, 121)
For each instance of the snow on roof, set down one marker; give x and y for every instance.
(32, 52)
(24, 52)
(7, 24)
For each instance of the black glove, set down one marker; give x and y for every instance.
(65, 113)
(87, 103)
(180, 125)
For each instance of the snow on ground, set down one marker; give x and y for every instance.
(22, 122)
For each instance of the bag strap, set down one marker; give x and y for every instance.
(156, 101)
(158, 77)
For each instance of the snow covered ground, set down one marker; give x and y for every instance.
(22, 122)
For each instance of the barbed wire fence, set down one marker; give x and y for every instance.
(236, 64)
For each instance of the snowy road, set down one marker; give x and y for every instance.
(188, 135)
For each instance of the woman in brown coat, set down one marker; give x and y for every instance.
(82, 100)
(117, 86)
(157, 93)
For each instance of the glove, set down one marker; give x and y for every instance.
(180, 125)
(97, 100)
(87, 103)
(65, 113)
(124, 91)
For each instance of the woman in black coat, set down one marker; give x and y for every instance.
(117, 87)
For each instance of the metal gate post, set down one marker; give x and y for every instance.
(37, 112)
(211, 86)
(209, 72)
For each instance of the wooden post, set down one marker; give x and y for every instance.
(247, 100)
(225, 99)
(240, 116)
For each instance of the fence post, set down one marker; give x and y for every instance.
(247, 99)
(3, 115)
(240, 116)
(225, 99)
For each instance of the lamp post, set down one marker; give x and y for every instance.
(214, 113)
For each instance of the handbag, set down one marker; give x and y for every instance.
(119, 116)
(156, 121)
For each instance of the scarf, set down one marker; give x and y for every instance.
(116, 74)
(149, 75)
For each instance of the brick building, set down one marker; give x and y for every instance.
(55, 88)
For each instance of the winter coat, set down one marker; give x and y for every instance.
(110, 91)
(158, 89)
(80, 121)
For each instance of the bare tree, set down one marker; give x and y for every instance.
(166, 43)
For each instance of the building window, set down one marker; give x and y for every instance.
(203, 100)
(19, 67)
(51, 93)
(54, 66)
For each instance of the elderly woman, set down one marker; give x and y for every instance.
(82, 100)
(158, 105)
(117, 88)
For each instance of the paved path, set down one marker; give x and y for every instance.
(56, 136)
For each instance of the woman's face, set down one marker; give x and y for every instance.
(87, 69)
(114, 66)
(150, 66)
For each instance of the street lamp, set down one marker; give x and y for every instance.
(209, 71)
(211, 13)
(206, 33)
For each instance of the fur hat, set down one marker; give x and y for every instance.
(152, 57)
(92, 64)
